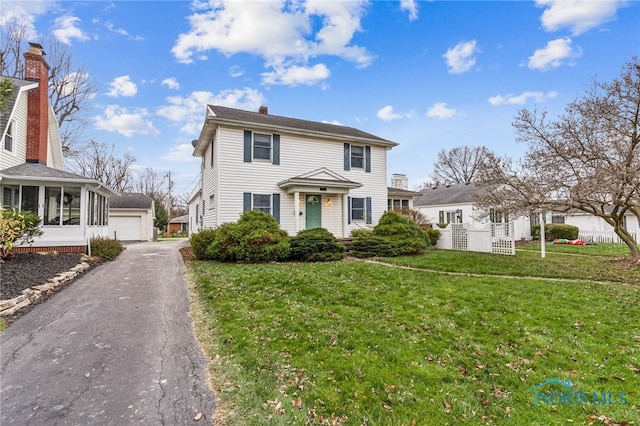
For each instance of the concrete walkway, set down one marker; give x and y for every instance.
(116, 347)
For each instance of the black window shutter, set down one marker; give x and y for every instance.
(368, 212)
(349, 209)
(212, 153)
(367, 159)
(247, 146)
(347, 157)
(276, 149)
(247, 202)
(276, 207)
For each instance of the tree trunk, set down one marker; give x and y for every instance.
(630, 242)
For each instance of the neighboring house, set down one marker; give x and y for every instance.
(399, 197)
(455, 203)
(131, 217)
(179, 224)
(73, 208)
(593, 228)
(306, 174)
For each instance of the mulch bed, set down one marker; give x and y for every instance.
(26, 270)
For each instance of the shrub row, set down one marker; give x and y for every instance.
(257, 237)
(106, 248)
(554, 231)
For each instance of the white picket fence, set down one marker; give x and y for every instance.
(495, 238)
(602, 237)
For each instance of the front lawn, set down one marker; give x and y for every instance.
(358, 343)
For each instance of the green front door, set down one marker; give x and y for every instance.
(313, 211)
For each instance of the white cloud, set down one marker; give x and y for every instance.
(25, 12)
(109, 25)
(171, 83)
(410, 6)
(66, 29)
(121, 120)
(190, 110)
(296, 75)
(577, 15)
(122, 86)
(460, 58)
(181, 153)
(283, 32)
(553, 55)
(235, 71)
(440, 110)
(388, 114)
(522, 98)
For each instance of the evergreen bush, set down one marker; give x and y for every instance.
(316, 245)
(561, 231)
(106, 248)
(200, 242)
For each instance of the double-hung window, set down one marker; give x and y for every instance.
(262, 202)
(357, 157)
(360, 209)
(357, 209)
(8, 138)
(261, 146)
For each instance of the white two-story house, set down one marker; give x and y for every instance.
(306, 174)
(73, 209)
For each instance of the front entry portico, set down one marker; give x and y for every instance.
(323, 194)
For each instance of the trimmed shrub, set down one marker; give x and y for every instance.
(561, 231)
(373, 246)
(361, 232)
(442, 225)
(256, 237)
(405, 234)
(106, 248)
(200, 242)
(316, 245)
(434, 235)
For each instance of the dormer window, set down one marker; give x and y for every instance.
(8, 138)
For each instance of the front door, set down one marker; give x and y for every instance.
(313, 211)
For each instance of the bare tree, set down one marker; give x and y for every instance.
(461, 164)
(70, 86)
(12, 39)
(588, 159)
(150, 183)
(99, 161)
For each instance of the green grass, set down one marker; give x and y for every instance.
(600, 264)
(3, 325)
(606, 250)
(357, 343)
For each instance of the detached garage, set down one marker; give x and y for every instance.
(131, 217)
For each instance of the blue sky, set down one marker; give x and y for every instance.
(429, 75)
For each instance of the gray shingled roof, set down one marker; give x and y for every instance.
(36, 170)
(458, 193)
(225, 114)
(180, 219)
(131, 200)
(401, 192)
(6, 113)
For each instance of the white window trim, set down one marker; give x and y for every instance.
(11, 132)
(351, 157)
(364, 209)
(253, 147)
(253, 195)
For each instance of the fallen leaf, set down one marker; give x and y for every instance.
(197, 417)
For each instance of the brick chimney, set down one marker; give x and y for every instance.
(263, 110)
(36, 68)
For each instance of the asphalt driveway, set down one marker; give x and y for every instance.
(116, 347)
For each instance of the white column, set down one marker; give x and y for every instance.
(296, 211)
(345, 215)
(542, 237)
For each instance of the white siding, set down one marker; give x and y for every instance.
(19, 154)
(54, 149)
(298, 155)
(210, 187)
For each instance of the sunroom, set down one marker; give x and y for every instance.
(73, 209)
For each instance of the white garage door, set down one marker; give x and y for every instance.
(127, 228)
